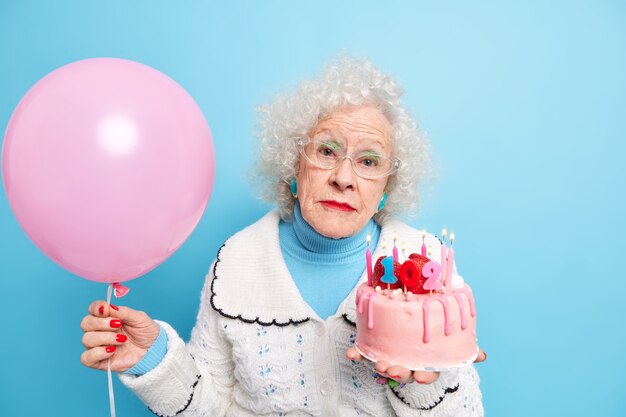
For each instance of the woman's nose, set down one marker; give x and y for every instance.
(343, 174)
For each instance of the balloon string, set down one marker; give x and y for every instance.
(109, 377)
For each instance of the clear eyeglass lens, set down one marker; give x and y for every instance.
(366, 164)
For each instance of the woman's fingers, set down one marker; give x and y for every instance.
(100, 308)
(425, 377)
(353, 355)
(482, 356)
(382, 366)
(95, 357)
(127, 315)
(399, 373)
(92, 323)
(94, 339)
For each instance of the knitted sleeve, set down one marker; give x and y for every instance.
(454, 393)
(194, 379)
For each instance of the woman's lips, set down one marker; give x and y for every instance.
(337, 205)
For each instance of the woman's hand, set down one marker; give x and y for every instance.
(121, 334)
(402, 374)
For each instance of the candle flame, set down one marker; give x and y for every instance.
(395, 237)
(423, 233)
(369, 240)
(444, 232)
(451, 237)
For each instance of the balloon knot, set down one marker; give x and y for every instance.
(119, 290)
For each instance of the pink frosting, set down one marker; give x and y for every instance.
(446, 315)
(427, 331)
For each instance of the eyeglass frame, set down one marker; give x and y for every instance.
(395, 162)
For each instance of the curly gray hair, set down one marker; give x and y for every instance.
(345, 81)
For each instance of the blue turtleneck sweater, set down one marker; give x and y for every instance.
(325, 270)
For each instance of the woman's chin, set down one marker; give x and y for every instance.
(334, 230)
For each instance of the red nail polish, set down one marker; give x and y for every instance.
(394, 376)
(101, 309)
(116, 308)
(110, 349)
(115, 323)
(121, 338)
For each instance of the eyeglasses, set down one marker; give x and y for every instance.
(328, 154)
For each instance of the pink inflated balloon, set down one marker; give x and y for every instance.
(108, 165)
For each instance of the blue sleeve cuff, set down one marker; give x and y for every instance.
(153, 357)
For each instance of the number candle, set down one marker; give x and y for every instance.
(432, 271)
(368, 261)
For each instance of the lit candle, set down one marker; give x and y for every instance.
(424, 251)
(443, 252)
(368, 261)
(450, 265)
(395, 248)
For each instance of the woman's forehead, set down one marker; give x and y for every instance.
(361, 125)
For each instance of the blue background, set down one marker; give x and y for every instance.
(524, 103)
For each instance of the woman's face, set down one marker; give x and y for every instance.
(336, 202)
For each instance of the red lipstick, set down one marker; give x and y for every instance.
(337, 205)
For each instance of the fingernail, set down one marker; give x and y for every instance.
(116, 308)
(115, 323)
(420, 382)
(110, 349)
(485, 356)
(101, 309)
(121, 338)
(395, 376)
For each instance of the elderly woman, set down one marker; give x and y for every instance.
(275, 327)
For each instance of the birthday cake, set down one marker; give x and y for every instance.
(419, 314)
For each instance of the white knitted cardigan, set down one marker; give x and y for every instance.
(258, 349)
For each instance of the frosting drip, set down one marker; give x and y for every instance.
(426, 308)
(361, 298)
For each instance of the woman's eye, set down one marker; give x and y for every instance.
(327, 150)
(369, 161)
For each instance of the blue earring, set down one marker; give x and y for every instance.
(383, 200)
(293, 186)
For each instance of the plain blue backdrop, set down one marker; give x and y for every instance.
(524, 104)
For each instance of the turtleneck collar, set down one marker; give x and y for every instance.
(309, 242)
